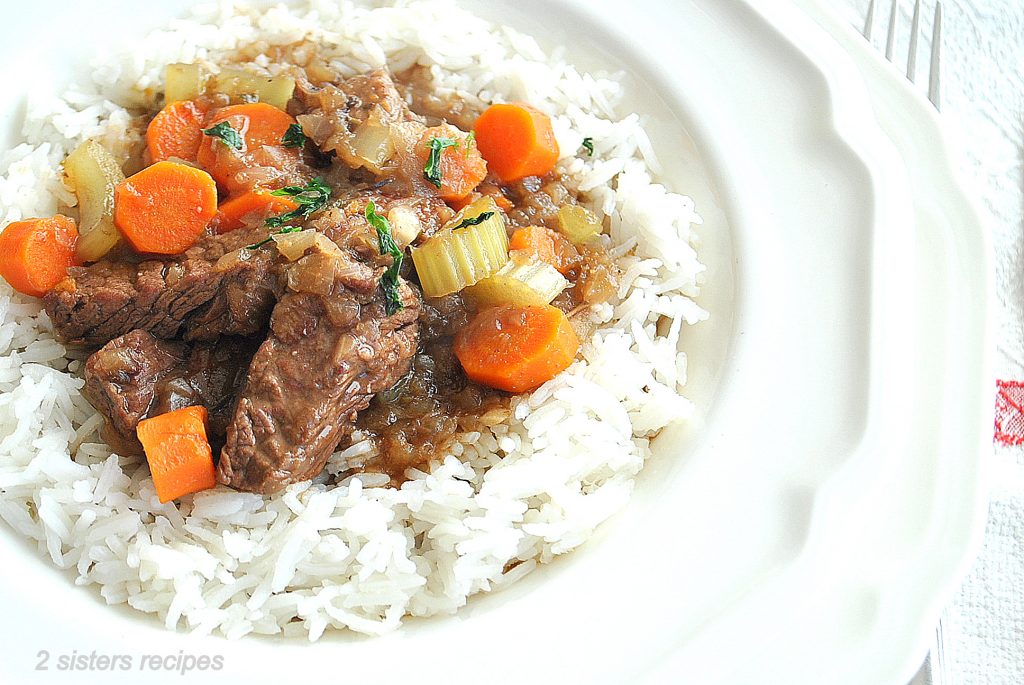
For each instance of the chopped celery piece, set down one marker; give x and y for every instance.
(93, 174)
(189, 81)
(578, 224)
(523, 284)
(185, 81)
(464, 252)
(292, 246)
(237, 83)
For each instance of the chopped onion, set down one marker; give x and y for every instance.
(293, 246)
(257, 176)
(324, 264)
(316, 127)
(314, 273)
(370, 145)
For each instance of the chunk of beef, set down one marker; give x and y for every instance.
(326, 357)
(354, 119)
(216, 287)
(435, 105)
(137, 376)
(344, 222)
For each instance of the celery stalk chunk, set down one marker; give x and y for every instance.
(93, 173)
(463, 252)
(578, 224)
(189, 81)
(522, 284)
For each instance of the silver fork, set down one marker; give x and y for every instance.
(934, 670)
(935, 64)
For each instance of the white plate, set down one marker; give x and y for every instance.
(804, 529)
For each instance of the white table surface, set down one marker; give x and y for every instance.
(983, 105)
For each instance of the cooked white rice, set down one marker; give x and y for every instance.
(360, 555)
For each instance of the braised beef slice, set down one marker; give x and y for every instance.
(137, 376)
(325, 358)
(416, 85)
(215, 288)
(344, 222)
(331, 113)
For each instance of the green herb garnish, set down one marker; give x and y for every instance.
(432, 171)
(389, 281)
(311, 198)
(588, 145)
(286, 229)
(294, 136)
(227, 135)
(474, 220)
(470, 142)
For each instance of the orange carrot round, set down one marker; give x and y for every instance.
(176, 131)
(178, 452)
(165, 207)
(516, 348)
(36, 253)
(251, 208)
(547, 246)
(460, 168)
(257, 124)
(516, 140)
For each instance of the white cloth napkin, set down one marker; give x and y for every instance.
(983, 105)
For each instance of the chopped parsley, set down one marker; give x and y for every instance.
(474, 220)
(294, 136)
(432, 171)
(311, 198)
(470, 142)
(588, 145)
(286, 229)
(227, 135)
(389, 281)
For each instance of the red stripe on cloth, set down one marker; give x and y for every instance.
(1010, 413)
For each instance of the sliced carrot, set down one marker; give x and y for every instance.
(258, 124)
(164, 208)
(178, 452)
(176, 131)
(516, 348)
(517, 141)
(460, 168)
(547, 246)
(251, 208)
(36, 253)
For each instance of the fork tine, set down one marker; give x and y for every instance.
(934, 93)
(890, 41)
(869, 23)
(915, 30)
